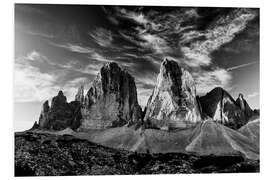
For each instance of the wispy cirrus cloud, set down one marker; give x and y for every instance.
(102, 36)
(207, 80)
(75, 48)
(30, 84)
(222, 31)
(254, 94)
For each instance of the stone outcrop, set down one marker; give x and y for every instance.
(173, 102)
(111, 100)
(61, 114)
(221, 107)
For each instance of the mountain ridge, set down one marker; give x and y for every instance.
(110, 102)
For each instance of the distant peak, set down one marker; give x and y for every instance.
(60, 93)
(111, 65)
(241, 96)
(170, 66)
(168, 61)
(218, 89)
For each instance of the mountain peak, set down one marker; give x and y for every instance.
(173, 102)
(168, 61)
(219, 105)
(58, 100)
(111, 64)
(111, 100)
(242, 103)
(61, 114)
(60, 93)
(169, 65)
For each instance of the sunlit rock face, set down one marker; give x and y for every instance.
(173, 101)
(221, 107)
(111, 100)
(61, 114)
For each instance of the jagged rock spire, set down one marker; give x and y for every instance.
(61, 114)
(219, 105)
(242, 103)
(173, 102)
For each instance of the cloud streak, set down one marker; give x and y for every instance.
(207, 80)
(254, 94)
(241, 66)
(102, 37)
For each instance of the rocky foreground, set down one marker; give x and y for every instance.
(53, 155)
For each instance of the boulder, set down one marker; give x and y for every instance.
(173, 102)
(111, 100)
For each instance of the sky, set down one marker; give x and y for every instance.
(60, 47)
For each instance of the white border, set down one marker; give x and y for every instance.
(7, 51)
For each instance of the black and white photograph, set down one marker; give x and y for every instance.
(135, 90)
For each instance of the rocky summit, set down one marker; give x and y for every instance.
(111, 100)
(60, 115)
(219, 105)
(242, 103)
(173, 102)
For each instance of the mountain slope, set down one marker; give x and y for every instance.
(252, 131)
(214, 138)
(206, 138)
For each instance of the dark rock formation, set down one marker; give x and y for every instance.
(111, 100)
(173, 102)
(61, 114)
(219, 105)
(242, 103)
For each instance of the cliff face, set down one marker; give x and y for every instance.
(173, 102)
(61, 114)
(111, 100)
(219, 105)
